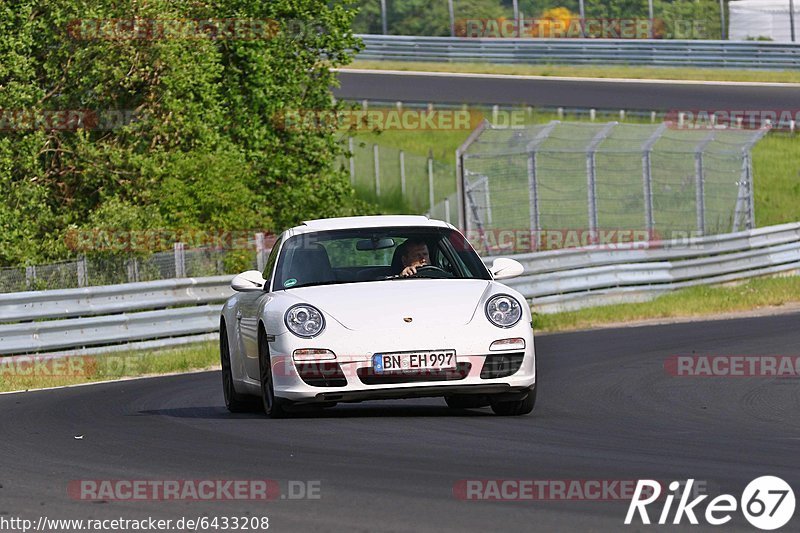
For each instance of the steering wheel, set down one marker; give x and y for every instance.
(430, 269)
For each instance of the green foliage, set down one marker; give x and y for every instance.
(424, 17)
(681, 19)
(205, 151)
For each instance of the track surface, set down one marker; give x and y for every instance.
(607, 410)
(477, 89)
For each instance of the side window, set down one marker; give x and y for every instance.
(270, 266)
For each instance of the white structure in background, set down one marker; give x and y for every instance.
(762, 18)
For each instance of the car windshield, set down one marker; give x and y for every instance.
(375, 254)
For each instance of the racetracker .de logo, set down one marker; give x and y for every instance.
(391, 119)
(192, 489)
(747, 119)
(733, 366)
(138, 29)
(544, 489)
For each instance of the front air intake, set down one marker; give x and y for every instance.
(501, 365)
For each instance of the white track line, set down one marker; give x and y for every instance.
(564, 78)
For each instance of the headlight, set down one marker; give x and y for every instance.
(304, 321)
(503, 310)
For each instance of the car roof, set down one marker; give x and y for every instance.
(379, 221)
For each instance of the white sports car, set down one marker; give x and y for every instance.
(377, 307)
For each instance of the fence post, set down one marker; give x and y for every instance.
(699, 176)
(83, 280)
(133, 270)
(447, 210)
(430, 180)
(180, 260)
(533, 195)
(591, 177)
(402, 174)
(261, 252)
(751, 211)
(352, 161)
(647, 178)
(376, 158)
(30, 275)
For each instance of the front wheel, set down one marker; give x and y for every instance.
(235, 402)
(274, 407)
(516, 407)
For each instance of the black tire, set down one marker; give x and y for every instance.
(274, 407)
(466, 401)
(235, 402)
(516, 407)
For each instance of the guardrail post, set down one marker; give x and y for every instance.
(376, 161)
(261, 252)
(352, 161)
(180, 260)
(83, 280)
(402, 174)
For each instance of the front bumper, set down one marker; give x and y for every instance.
(360, 382)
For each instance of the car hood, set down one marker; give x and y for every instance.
(386, 304)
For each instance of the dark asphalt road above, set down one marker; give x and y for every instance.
(606, 410)
(578, 93)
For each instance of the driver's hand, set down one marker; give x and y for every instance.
(409, 271)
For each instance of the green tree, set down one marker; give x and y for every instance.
(205, 150)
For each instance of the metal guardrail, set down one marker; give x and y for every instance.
(172, 312)
(562, 280)
(652, 52)
(132, 315)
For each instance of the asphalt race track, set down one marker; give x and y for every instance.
(606, 410)
(579, 93)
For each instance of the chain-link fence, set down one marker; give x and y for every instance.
(658, 19)
(584, 181)
(110, 268)
(402, 180)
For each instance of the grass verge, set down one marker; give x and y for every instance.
(36, 373)
(685, 303)
(590, 71)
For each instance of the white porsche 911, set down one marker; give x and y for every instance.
(377, 307)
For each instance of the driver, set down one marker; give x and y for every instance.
(415, 254)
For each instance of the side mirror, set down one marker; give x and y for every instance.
(248, 281)
(505, 268)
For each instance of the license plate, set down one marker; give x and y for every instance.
(409, 361)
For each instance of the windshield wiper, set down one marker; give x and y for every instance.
(315, 284)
